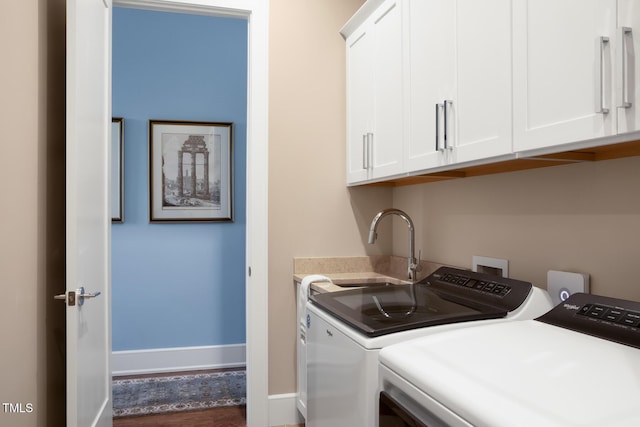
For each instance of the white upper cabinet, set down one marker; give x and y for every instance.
(482, 118)
(563, 71)
(628, 78)
(431, 79)
(375, 94)
(460, 81)
(434, 85)
(388, 136)
(359, 104)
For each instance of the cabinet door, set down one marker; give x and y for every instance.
(628, 75)
(336, 369)
(431, 79)
(359, 103)
(563, 81)
(461, 53)
(388, 133)
(481, 110)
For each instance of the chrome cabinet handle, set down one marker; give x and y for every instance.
(367, 141)
(626, 96)
(370, 150)
(445, 125)
(438, 127)
(604, 41)
(364, 151)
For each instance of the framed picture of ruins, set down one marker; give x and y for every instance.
(190, 171)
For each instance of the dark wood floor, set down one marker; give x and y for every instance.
(234, 416)
(218, 417)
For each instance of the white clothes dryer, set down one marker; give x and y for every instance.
(577, 365)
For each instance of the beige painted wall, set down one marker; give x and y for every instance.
(32, 238)
(582, 217)
(311, 211)
(19, 225)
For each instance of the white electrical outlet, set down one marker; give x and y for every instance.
(496, 266)
(562, 284)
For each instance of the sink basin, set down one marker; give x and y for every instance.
(365, 284)
(344, 283)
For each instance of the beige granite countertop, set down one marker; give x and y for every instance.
(351, 271)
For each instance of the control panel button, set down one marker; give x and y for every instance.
(585, 309)
(630, 318)
(613, 315)
(480, 285)
(597, 311)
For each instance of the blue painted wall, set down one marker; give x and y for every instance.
(177, 285)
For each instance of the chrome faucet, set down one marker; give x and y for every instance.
(413, 264)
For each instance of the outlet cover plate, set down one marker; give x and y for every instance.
(562, 284)
(497, 266)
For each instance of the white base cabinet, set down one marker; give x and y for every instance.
(339, 380)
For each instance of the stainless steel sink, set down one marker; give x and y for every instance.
(368, 283)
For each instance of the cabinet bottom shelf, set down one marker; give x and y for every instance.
(605, 152)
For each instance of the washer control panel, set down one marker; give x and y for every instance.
(480, 288)
(608, 318)
(611, 314)
(487, 286)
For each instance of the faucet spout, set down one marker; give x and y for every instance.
(413, 264)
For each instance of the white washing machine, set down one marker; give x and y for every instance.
(347, 329)
(578, 365)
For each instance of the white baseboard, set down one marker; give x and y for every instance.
(133, 362)
(283, 410)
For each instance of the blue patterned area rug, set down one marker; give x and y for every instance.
(161, 395)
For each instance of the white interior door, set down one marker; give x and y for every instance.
(88, 214)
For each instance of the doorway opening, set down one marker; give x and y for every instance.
(255, 258)
(189, 273)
